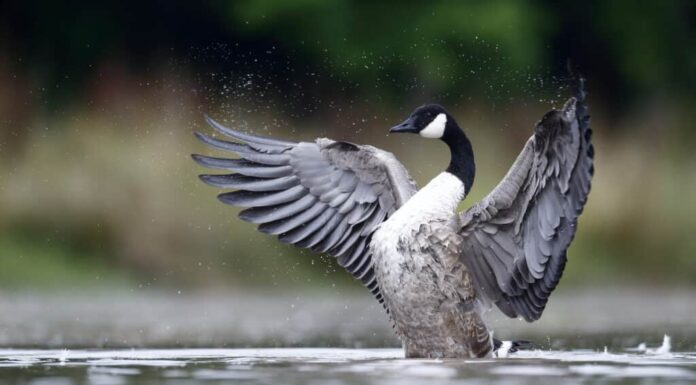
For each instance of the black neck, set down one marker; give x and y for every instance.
(462, 162)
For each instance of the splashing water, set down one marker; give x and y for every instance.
(666, 345)
(504, 349)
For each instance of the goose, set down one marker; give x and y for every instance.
(433, 269)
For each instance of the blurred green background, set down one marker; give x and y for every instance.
(98, 102)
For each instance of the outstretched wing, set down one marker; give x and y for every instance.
(326, 196)
(515, 240)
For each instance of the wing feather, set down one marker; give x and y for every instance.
(243, 182)
(326, 196)
(245, 198)
(300, 233)
(516, 239)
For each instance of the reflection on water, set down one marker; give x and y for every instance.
(339, 366)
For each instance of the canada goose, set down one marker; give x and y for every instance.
(430, 266)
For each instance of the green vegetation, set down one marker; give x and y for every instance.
(29, 263)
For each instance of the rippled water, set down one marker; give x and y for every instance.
(340, 366)
(605, 337)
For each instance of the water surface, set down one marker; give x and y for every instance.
(341, 366)
(588, 337)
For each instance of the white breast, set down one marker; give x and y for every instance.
(403, 276)
(437, 201)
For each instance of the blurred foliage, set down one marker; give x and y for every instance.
(444, 46)
(441, 44)
(30, 263)
(98, 100)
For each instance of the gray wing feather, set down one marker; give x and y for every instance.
(242, 182)
(515, 239)
(326, 196)
(244, 198)
(242, 166)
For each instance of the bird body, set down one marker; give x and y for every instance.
(431, 267)
(425, 285)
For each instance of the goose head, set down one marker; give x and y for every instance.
(434, 122)
(428, 121)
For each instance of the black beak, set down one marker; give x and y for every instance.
(406, 126)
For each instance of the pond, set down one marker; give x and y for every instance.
(615, 337)
(339, 366)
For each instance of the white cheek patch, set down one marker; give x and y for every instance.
(436, 128)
